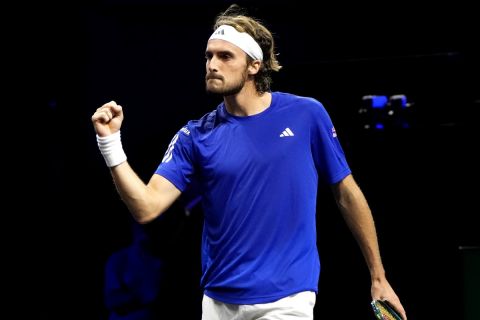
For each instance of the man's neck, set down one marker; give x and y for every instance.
(247, 102)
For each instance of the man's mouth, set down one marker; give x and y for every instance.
(213, 78)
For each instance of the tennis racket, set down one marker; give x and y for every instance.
(384, 311)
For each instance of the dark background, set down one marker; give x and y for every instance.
(149, 57)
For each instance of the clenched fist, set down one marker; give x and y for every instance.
(108, 119)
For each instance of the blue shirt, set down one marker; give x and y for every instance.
(258, 176)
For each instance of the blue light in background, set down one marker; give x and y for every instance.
(398, 100)
(379, 101)
(374, 101)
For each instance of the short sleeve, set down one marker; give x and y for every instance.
(328, 153)
(177, 163)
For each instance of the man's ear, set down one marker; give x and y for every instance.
(254, 67)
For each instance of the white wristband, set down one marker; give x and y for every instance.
(111, 149)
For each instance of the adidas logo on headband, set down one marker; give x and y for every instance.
(219, 31)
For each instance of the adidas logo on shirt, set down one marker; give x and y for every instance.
(286, 133)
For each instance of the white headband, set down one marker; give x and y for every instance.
(241, 39)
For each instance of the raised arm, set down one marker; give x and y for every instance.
(357, 214)
(145, 201)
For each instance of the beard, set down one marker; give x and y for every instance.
(229, 89)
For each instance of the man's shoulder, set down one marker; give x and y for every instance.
(203, 124)
(295, 100)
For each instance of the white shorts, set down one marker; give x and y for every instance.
(296, 306)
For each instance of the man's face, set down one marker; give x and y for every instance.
(226, 67)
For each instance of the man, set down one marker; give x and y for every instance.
(257, 158)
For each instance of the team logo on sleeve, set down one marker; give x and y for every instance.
(169, 153)
(334, 132)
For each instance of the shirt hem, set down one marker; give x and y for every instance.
(256, 300)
